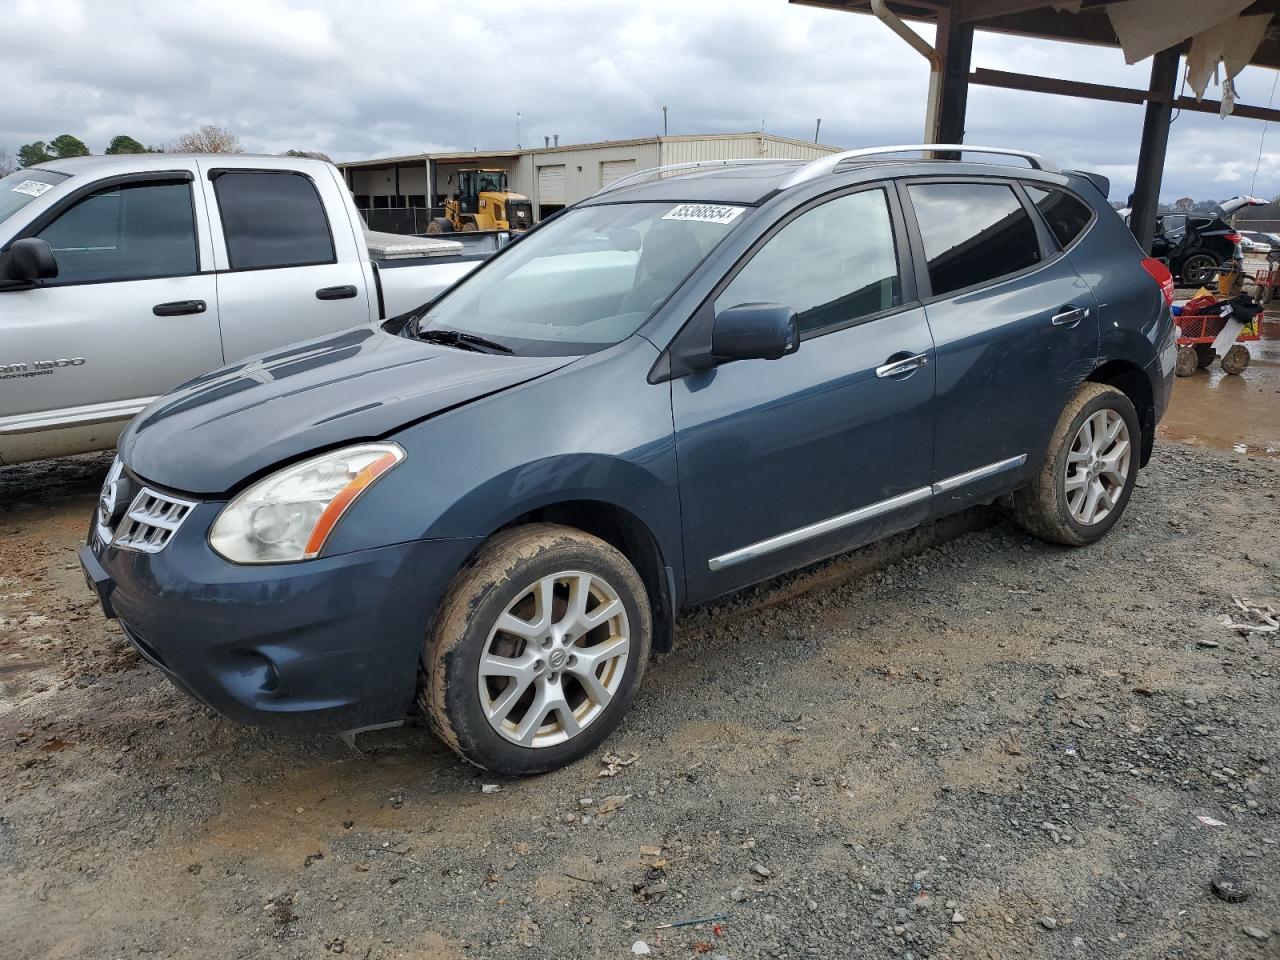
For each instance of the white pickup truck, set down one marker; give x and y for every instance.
(121, 277)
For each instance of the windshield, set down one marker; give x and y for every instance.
(585, 281)
(491, 182)
(20, 188)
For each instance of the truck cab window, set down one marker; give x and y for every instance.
(130, 232)
(272, 219)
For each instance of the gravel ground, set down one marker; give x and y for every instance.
(996, 748)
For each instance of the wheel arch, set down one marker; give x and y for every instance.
(624, 530)
(1132, 381)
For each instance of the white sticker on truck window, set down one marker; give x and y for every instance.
(32, 188)
(705, 212)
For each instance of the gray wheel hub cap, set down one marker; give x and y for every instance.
(554, 659)
(1097, 467)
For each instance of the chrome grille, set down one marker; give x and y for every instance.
(151, 521)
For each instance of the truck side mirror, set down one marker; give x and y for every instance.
(29, 260)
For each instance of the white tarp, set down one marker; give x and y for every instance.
(1233, 43)
(1217, 32)
(1144, 27)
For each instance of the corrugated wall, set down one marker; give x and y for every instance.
(739, 147)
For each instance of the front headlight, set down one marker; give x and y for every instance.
(289, 515)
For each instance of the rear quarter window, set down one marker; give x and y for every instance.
(1066, 216)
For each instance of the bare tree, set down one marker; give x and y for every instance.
(207, 139)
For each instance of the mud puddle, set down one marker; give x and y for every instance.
(1237, 414)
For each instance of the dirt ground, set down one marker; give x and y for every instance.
(996, 748)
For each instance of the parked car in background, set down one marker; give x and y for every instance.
(123, 276)
(699, 378)
(1195, 248)
(1254, 243)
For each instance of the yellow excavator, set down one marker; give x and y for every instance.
(483, 202)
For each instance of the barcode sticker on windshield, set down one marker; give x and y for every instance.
(32, 188)
(705, 212)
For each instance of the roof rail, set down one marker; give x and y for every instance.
(825, 165)
(654, 173)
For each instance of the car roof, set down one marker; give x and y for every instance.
(753, 182)
(124, 163)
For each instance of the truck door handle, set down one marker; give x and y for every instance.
(178, 308)
(1069, 316)
(344, 292)
(898, 367)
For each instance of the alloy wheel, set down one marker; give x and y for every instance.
(554, 659)
(1199, 269)
(1097, 467)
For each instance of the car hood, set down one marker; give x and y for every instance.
(212, 433)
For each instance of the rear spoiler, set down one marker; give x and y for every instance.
(1098, 180)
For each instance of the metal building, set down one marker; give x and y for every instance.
(401, 194)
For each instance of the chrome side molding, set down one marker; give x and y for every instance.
(792, 537)
(980, 473)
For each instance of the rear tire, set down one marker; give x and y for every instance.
(1199, 269)
(1087, 476)
(440, 225)
(469, 226)
(519, 677)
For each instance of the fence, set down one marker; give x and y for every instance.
(411, 221)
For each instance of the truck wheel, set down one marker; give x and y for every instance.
(440, 225)
(537, 651)
(1088, 472)
(469, 226)
(1205, 355)
(1236, 360)
(1186, 362)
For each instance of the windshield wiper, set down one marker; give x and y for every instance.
(464, 341)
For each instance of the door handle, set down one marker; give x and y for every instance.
(907, 365)
(1069, 316)
(344, 292)
(178, 308)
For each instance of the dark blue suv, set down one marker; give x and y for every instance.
(494, 507)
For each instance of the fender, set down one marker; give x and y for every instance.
(622, 456)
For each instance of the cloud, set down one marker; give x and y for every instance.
(404, 76)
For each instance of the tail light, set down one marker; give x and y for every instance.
(1160, 273)
(1234, 238)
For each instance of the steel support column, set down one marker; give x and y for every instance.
(954, 44)
(1155, 142)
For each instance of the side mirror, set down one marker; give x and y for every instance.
(29, 260)
(755, 331)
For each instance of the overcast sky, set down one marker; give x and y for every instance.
(399, 76)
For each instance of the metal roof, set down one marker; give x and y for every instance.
(1038, 18)
(478, 156)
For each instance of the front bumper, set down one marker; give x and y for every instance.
(327, 644)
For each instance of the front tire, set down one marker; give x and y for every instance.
(1236, 360)
(538, 650)
(1088, 472)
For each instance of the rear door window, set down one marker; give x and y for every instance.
(1066, 216)
(973, 233)
(272, 219)
(130, 232)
